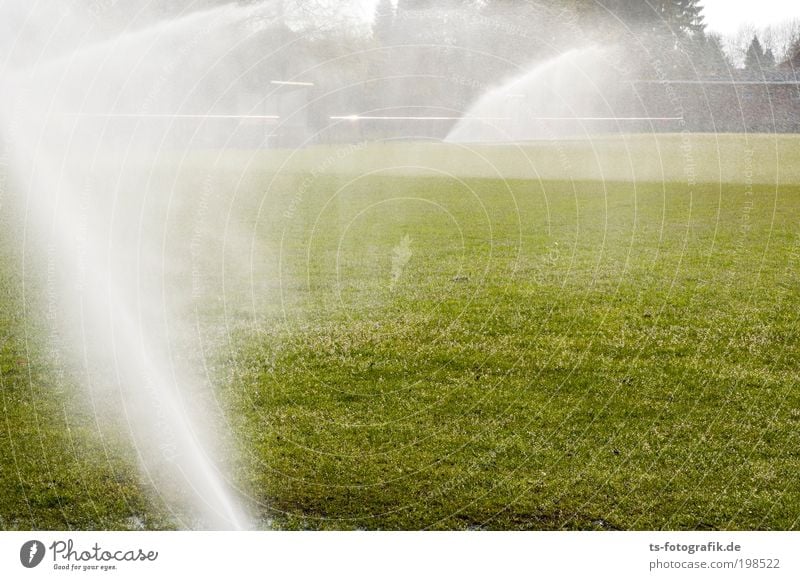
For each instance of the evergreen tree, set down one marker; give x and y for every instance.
(769, 59)
(707, 55)
(680, 16)
(755, 56)
(793, 61)
(717, 58)
(686, 15)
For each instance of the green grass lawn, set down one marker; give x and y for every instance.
(444, 349)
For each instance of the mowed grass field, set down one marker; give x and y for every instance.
(444, 349)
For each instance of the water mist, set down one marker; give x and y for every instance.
(568, 95)
(87, 115)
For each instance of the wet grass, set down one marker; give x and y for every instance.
(61, 466)
(551, 355)
(469, 354)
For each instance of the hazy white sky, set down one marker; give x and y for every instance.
(725, 16)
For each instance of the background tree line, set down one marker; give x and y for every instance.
(438, 56)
